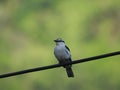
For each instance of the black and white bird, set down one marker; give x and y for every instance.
(62, 53)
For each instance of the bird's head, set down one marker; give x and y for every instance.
(59, 41)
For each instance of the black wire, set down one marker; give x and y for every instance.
(59, 65)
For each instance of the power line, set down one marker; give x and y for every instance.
(59, 65)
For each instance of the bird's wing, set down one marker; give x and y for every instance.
(67, 48)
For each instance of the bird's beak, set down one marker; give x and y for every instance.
(54, 40)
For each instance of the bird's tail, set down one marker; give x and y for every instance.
(69, 71)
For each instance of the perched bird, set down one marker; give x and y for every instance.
(62, 53)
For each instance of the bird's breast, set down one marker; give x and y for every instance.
(61, 53)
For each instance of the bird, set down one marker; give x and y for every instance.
(63, 55)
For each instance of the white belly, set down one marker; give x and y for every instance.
(61, 53)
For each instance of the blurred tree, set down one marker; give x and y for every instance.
(27, 31)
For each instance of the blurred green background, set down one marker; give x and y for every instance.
(27, 31)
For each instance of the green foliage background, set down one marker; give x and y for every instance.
(27, 31)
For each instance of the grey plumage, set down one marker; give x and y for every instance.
(62, 53)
